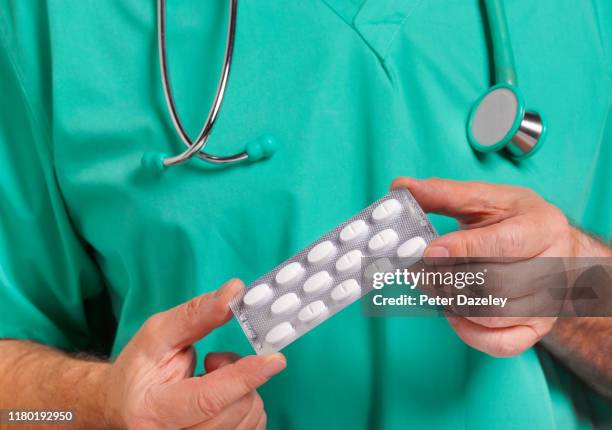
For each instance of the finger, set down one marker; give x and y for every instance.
(500, 322)
(250, 420)
(230, 417)
(216, 360)
(185, 324)
(498, 342)
(198, 399)
(247, 374)
(263, 421)
(508, 239)
(471, 203)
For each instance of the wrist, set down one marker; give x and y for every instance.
(86, 385)
(111, 415)
(93, 404)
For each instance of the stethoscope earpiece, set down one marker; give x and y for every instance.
(499, 120)
(153, 161)
(256, 150)
(261, 148)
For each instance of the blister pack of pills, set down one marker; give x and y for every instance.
(326, 276)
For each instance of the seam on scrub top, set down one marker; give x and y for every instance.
(358, 33)
(357, 12)
(335, 11)
(384, 52)
(13, 61)
(398, 28)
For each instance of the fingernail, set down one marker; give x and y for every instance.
(231, 287)
(437, 252)
(274, 364)
(402, 182)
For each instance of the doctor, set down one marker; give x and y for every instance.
(99, 252)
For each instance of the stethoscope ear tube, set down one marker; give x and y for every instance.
(256, 150)
(197, 147)
(503, 57)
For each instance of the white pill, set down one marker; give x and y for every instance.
(258, 295)
(353, 231)
(345, 290)
(314, 311)
(412, 248)
(318, 283)
(285, 304)
(387, 210)
(322, 252)
(383, 241)
(289, 274)
(280, 333)
(349, 262)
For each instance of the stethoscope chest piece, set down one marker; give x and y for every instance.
(499, 120)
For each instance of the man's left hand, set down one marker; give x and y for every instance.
(496, 221)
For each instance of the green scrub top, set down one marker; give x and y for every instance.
(356, 92)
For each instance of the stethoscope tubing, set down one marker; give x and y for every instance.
(197, 146)
(504, 69)
(503, 57)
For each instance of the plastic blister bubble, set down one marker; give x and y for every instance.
(326, 276)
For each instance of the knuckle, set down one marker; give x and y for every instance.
(558, 218)
(435, 182)
(152, 324)
(524, 194)
(510, 243)
(246, 371)
(252, 412)
(209, 404)
(557, 223)
(191, 309)
(152, 406)
(249, 382)
(149, 401)
(243, 407)
(526, 191)
(219, 307)
(243, 379)
(472, 246)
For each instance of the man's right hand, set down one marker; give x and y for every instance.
(150, 385)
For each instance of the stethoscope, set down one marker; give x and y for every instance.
(258, 149)
(498, 120)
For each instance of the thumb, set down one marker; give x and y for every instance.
(471, 203)
(237, 379)
(187, 323)
(195, 400)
